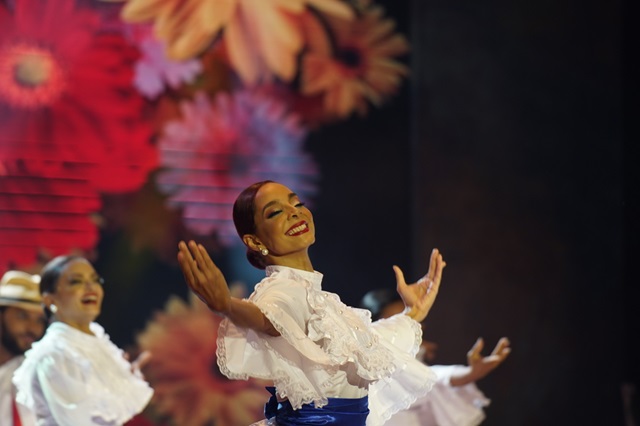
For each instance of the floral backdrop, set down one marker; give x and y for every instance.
(173, 107)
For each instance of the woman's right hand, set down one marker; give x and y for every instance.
(203, 276)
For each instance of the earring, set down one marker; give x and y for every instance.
(264, 251)
(53, 308)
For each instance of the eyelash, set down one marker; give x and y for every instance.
(276, 212)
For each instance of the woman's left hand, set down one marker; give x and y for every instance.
(419, 296)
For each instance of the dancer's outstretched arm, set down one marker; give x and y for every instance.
(206, 280)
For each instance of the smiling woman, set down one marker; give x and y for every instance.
(75, 375)
(329, 362)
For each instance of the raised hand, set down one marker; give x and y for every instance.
(482, 365)
(419, 296)
(203, 276)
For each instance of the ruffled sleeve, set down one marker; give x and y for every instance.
(72, 378)
(409, 381)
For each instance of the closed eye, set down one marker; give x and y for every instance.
(274, 213)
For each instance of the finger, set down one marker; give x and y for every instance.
(496, 359)
(186, 268)
(400, 282)
(502, 344)
(186, 263)
(440, 264)
(207, 259)
(432, 287)
(476, 349)
(197, 254)
(143, 359)
(432, 264)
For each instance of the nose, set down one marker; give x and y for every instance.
(293, 211)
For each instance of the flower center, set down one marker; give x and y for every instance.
(350, 57)
(33, 70)
(30, 76)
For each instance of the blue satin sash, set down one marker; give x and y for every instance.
(338, 412)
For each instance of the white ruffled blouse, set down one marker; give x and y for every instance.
(325, 349)
(71, 378)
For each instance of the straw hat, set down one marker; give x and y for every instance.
(21, 290)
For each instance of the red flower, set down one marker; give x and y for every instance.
(44, 217)
(66, 95)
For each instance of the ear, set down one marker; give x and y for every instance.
(251, 241)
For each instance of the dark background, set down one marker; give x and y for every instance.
(506, 150)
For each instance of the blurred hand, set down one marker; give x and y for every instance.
(481, 365)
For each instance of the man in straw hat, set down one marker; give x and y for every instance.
(22, 322)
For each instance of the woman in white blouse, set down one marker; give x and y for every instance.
(329, 363)
(75, 375)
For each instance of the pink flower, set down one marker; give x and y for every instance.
(262, 37)
(357, 66)
(154, 71)
(217, 149)
(184, 374)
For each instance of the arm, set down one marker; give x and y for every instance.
(206, 280)
(418, 297)
(480, 366)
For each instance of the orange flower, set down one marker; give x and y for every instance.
(184, 373)
(263, 37)
(358, 66)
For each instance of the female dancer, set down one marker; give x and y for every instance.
(330, 364)
(75, 375)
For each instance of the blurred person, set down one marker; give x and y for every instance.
(22, 322)
(455, 399)
(330, 364)
(75, 375)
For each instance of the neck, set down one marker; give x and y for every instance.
(298, 261)
(78, 325)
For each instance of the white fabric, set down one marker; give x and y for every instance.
(8, 393)
(71, 378)
(326, 349)
(445, 405)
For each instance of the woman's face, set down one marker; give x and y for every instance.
(78, 295)
(283, 224)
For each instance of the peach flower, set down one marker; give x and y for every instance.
(263, 37)
(357, 66)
